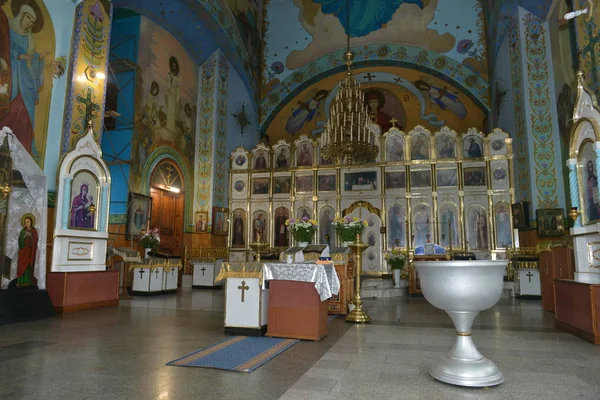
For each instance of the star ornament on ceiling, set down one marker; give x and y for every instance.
(241, 118)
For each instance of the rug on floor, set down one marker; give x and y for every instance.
(237, 353)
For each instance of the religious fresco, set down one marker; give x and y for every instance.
(246, 13)
(315, 29)
(167, 98)
(27, 69)
(86, 93)
(395, 96)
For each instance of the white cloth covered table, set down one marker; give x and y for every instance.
(326, 280)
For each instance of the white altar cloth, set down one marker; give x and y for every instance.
(326, 280)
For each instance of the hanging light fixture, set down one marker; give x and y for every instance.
(347, 135)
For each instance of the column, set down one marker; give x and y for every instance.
(574, 187)
(66, 203)
(103, 209)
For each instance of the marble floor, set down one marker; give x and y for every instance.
(120, 353)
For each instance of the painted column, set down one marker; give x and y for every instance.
(66, 203)
(205, 137)
(86, 94)
(574, 186)
(221, 163)
(103, 209)
(541, 119)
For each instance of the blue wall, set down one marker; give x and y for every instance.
(116, 144)
(237, 96)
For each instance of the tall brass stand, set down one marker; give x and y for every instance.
(257, 246)
(357, 315)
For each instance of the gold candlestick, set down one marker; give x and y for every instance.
(358, 314)
(257, 245)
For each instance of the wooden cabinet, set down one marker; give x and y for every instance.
(554, 264)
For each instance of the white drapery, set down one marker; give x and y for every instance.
(31, 199)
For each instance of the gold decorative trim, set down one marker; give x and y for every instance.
(463, 333)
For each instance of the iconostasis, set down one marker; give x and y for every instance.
(446, 187)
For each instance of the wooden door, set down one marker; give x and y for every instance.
(167, 215)
(547, 279)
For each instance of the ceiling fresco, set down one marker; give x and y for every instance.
(431, 36)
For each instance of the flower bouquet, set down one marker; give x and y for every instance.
(303, 230)
(396, 259)
(348, 227)
(150, 239)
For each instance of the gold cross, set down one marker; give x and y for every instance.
(243, 287)
(393, 122)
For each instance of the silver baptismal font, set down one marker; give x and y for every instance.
(463, 289)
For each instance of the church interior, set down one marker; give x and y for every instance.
(299, 199)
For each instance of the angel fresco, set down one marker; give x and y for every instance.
(304, 112)
(442, 97)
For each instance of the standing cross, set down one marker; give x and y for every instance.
(142, 272)
(203, 269)
(393, 122)
(243, 287)
(590, 48)
(156, 272)
(89, 105)
(529, 275)
(369, 76)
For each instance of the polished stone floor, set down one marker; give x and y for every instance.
(120, 353)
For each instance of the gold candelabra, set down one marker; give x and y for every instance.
(574, 213)
(5, 189)
(257, 246)
(357, 314)
(347, 135)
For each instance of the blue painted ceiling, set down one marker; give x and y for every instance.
(191, 24)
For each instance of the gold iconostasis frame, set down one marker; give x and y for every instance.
(441, 171)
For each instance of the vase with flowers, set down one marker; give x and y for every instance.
(150, 240)
(348, 227)
(303, 229)
(396, 259)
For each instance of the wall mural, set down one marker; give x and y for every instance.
(395, 96)
(167, 98)
(27, 68)
(89, 55)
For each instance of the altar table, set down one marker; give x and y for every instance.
(301, 293)
(155, 276)
(246, 300)
(298, 296)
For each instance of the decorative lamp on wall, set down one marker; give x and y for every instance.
(91, 75)
(347, 135)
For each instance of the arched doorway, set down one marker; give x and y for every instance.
(167, 192)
